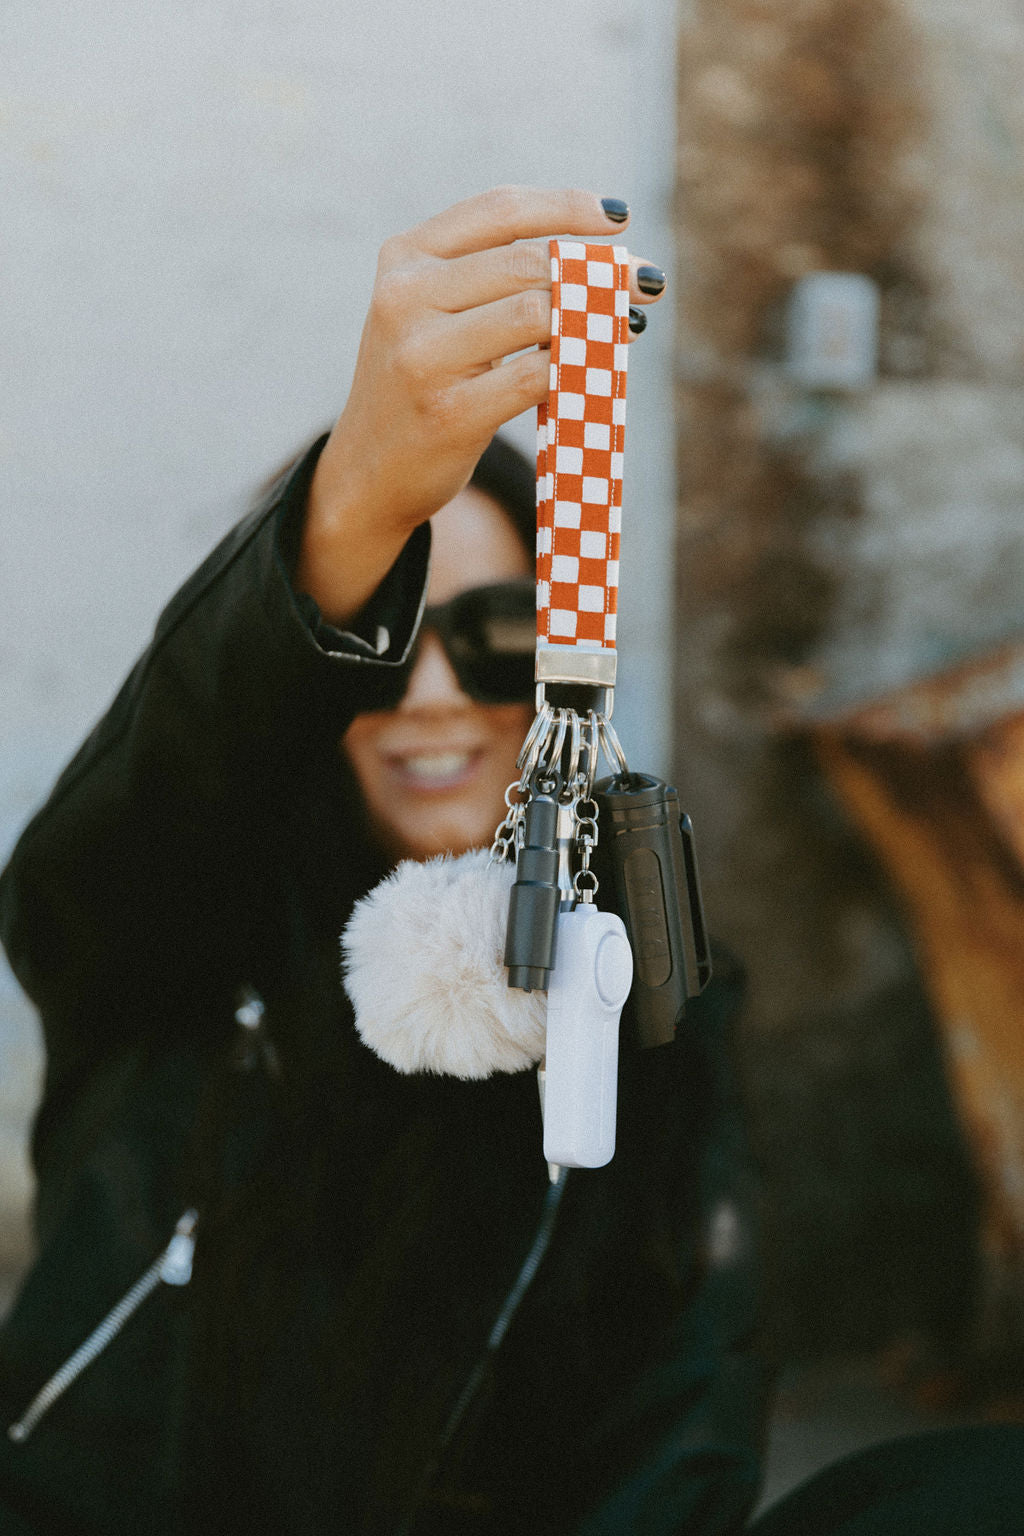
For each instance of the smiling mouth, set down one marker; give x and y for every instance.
(435, 770)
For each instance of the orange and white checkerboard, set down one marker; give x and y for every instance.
(580, 435)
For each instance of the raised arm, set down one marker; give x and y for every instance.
(143, 881)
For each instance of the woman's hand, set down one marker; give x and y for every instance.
(436, 377)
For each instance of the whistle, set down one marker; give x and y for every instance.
(646, 854)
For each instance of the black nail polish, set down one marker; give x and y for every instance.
(637, 320)
(650, 279)
(615, 209)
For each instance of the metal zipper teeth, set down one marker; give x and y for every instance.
(173, 1267)
(509, 1308)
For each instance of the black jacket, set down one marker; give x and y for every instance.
(360, 1348)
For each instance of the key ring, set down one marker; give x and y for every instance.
(533, 746)
(612, 746)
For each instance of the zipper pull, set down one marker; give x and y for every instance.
(176, 1264)
(173, 1267)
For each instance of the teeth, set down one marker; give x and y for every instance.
(436, 765)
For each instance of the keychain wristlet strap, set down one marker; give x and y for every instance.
(580, 437)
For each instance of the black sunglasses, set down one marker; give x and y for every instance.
(489, 635)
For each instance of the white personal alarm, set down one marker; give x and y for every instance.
(589, 984)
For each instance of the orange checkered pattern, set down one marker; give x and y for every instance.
(580, 433)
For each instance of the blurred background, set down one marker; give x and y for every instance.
(823, 580)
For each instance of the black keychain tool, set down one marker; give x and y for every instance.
(646, 856)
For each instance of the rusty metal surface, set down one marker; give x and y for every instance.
(948, 706)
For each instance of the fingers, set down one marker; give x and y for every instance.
(486, 276)
(494, 397)
(505, 214)
(479, 333)
(484, 335)
(497, 395)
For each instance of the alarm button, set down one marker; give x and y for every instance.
(613, 969)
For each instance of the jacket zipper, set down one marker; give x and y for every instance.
(172, 1267)
(509, 1307)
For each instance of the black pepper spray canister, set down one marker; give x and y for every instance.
(646, 853)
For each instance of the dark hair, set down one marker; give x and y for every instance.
(507, 476)
(502, 472)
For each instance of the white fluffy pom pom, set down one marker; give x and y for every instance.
(423, 965)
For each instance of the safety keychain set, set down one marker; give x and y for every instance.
(447, 963)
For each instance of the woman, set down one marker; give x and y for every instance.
(362, 1308)
(357, 1346)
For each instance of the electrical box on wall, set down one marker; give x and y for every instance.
(832, 331)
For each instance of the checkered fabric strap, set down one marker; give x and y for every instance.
(580, 433)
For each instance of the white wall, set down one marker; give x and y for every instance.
(193, 198)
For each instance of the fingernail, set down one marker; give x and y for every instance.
(637, 320)
(615, 209)
(650, 279)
